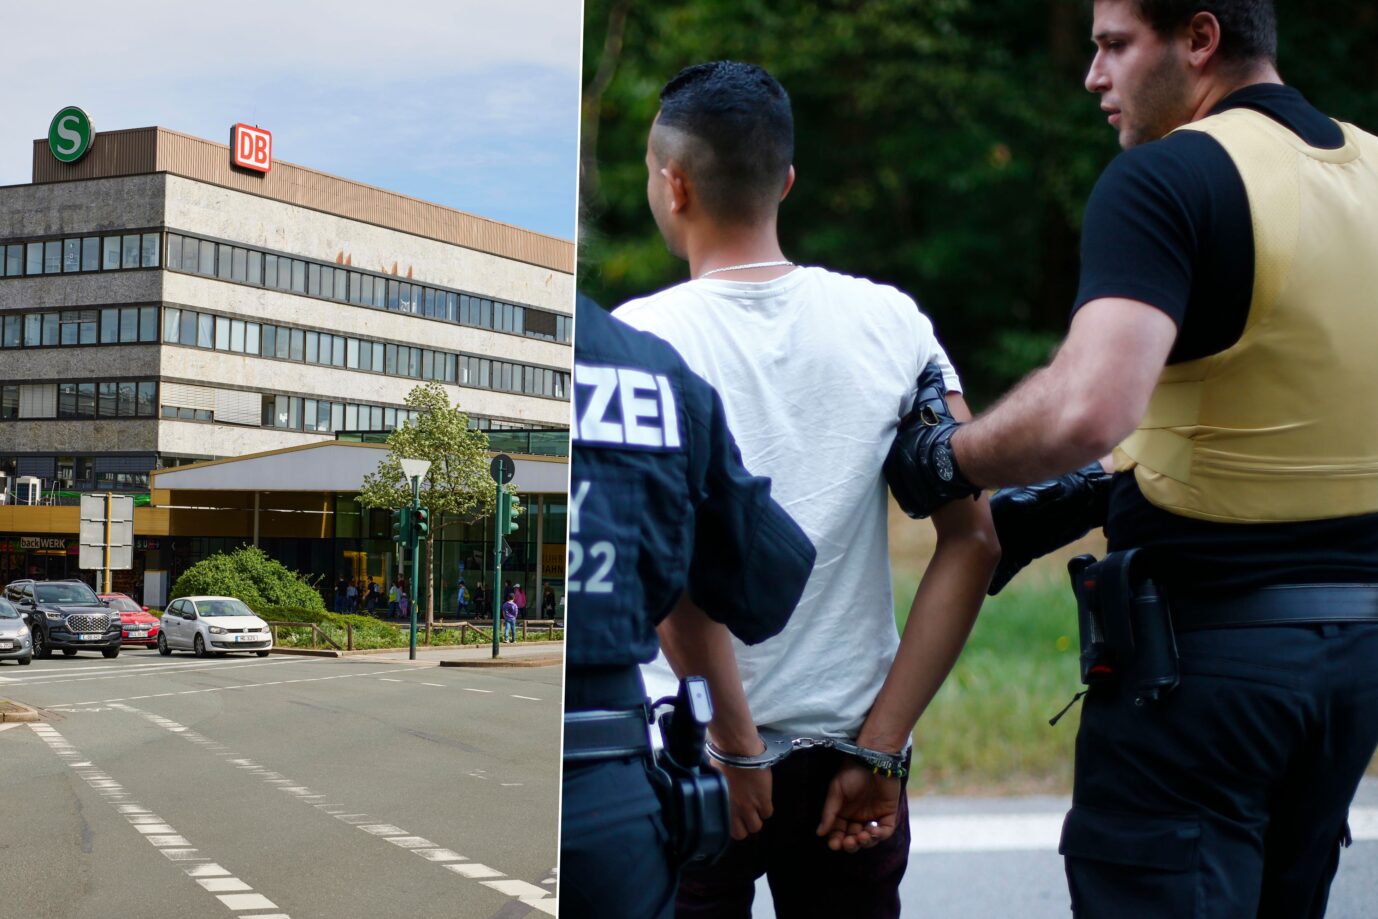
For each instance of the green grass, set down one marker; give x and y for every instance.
(987, 729)
(370, 633)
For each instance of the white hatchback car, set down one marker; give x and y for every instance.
(212, 625)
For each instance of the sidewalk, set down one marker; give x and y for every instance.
(520, 655)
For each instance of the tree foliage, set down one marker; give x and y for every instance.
(249, 575)
(943, 146)
(457, 488)
(457, 484)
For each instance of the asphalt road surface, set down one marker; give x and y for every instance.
(973, 857)
(282, 787)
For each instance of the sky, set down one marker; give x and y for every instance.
(473, 105)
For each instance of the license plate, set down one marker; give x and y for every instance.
(138, 634)
(248, 638)
(6, 645)
(90, 637)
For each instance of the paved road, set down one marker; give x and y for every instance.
(163, 788)
(975, 857)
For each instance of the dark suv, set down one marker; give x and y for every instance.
(66, 615)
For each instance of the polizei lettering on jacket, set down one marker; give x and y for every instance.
(624, 407)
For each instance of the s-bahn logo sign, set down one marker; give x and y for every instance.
(251, 148)
(70, 134)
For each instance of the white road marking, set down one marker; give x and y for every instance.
(9, 724)
(441, 685)
(529, 894)
(67, 706)
(383, 679)
(470, 689)
(1038, 832)
(162, 836)
(54, 677)
(527, 698)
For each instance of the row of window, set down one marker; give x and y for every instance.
(106, 326)
(81, 253)
(296, 413)
(222, 333)
(347, 285)
(93, 399)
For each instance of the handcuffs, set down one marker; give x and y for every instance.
(780, 745)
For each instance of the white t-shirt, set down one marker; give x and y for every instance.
(814, 369)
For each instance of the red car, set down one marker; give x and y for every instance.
(137, 627)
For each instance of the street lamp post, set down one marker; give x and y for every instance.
(414, 469)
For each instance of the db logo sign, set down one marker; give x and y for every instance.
(252, 148)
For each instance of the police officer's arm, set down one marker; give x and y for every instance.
(1079, 407)
(695, 645)
(940, 619)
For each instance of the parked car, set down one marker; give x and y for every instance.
(65, 615)
(137, 626)
(15, 642)
(212, 625)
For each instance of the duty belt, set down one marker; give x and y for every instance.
(780, 745)
(1280, 604)
(600, 735)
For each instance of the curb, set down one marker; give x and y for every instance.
(542, 661)
(14, 711)
(364, 652)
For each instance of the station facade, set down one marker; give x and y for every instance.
(162, 306)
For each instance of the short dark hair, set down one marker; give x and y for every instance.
(739, 118)
(1248, 28)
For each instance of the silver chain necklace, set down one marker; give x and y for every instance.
(778, 264)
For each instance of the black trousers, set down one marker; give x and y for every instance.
(807, 879)
(1229, 797)
(614, 850)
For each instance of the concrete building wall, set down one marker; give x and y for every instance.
(275, 306)
(93, 205)
(220, 212)
(92, 362)
(202, 438)
(80, 438)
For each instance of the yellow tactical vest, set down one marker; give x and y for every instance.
(1283, 425)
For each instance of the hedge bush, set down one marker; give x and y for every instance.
(250, 575)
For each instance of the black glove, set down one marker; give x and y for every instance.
(1034, 520)
(920, 467)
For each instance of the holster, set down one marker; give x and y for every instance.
(693, 795)
(1125, 626)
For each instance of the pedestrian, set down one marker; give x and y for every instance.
(509, 619)
(481, 609)
(371, 596)
(351, 597)
(818, 424)
(461, 600)
(696, 502)
(403, 604)
(548, 603)
(519, 596)
(1221, 345)
(394, 598)
(340, 594)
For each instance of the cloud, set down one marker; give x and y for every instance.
(470, 105)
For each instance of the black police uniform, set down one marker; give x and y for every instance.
(1229, 796)
(659, 504)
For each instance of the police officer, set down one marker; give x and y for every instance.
(1222, 345)
(660, 509)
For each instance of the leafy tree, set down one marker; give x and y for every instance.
(249, 575)
(946, 147)
(456, 489)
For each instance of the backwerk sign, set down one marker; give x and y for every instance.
(70, 134)
(251, 148)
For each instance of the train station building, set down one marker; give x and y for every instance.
(165, 302)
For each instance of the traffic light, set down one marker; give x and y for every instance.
(507, 513)
(423, 524)
(401, 526)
